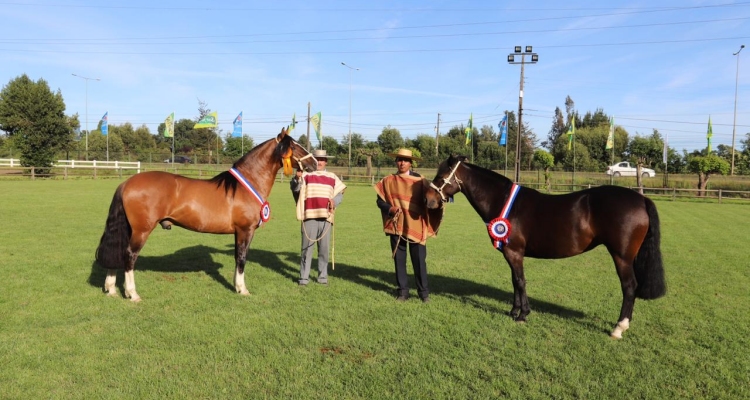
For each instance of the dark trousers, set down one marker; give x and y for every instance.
(418, 254)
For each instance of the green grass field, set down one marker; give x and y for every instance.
(193, 337)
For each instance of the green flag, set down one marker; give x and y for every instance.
(571, 133)
(709, 134)
(611, 136)
(294, 122)
(469, 128)
(210, 120)
(169, 126)
(315, 119)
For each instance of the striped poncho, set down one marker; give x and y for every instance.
(415, 222)
(317, 192)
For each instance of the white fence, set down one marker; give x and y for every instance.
(98, 164)
(10, 162)
(14, 162)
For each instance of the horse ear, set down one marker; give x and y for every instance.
(462, 158)
(283, 133)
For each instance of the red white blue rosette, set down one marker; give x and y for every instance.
(265, 212)
(499, 229)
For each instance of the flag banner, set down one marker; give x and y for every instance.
(237, 126)
(665, 151)
(503, 125)
(169, 126)
(469, 128)
(105, 124)
(315, 119)
(571, 133)
(611, 136)
(210, 120)
(294, 122)
(709, 134)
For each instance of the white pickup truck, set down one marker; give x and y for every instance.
(626, 169)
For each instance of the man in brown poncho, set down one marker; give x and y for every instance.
(407, 221)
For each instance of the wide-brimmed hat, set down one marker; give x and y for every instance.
(404, 153)
(321, 153)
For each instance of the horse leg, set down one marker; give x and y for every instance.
(110, 281)
(628, 283)
(520, 300)
(242, 241)
(137, 241)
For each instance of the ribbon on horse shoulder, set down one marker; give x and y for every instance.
(499, 228)
(265, 208)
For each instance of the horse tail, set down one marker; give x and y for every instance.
(112, 252)
(649, 271)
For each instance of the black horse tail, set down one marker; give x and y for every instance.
(649, 271)
(112, 252)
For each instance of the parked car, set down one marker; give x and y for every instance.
(626, 169)
(179, 160)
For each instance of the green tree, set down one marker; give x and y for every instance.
(705, 166)
(544, 161)
(426, 146)
(390, 140)
(32, 113)
(303, 141)
(332, 148)
(236, 147)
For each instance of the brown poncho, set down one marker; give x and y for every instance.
(415, 221)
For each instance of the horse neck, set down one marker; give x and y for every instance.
(260, 167)
(486, 191)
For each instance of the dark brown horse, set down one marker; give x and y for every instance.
(523, 222)
(232, 202)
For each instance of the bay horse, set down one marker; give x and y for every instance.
(214, 205)
(522, 222)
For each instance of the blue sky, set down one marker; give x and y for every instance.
(663, 65)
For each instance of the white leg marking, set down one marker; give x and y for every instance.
(110, 281)
(621, 327)
(239, 283)
(130, 286)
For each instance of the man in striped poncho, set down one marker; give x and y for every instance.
(320, 192)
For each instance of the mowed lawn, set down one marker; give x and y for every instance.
(193, 337)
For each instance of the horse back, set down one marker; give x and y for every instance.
(558, 226)
(194, 204)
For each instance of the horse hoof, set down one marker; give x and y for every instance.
(133, 296)
(615, 336)
(111, 294)
(243, 292)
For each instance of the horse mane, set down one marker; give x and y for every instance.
(482, 173)
(229, 182)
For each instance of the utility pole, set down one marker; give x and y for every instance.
(511, 60)
(734, 124)
(437, 136)
(309, 148)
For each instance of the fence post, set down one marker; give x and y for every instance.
(32, 173)
(65, 173)
(94, 169)
(674, 193)
(119, 170)
(719, 196)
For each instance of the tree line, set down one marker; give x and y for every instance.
(37, 129)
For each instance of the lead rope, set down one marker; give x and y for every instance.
(319, 238)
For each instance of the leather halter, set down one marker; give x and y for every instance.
(447, 181)
(306, 156)
(299, 160)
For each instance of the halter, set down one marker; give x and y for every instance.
(286, 162)
(306, 156)
(447, 181)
